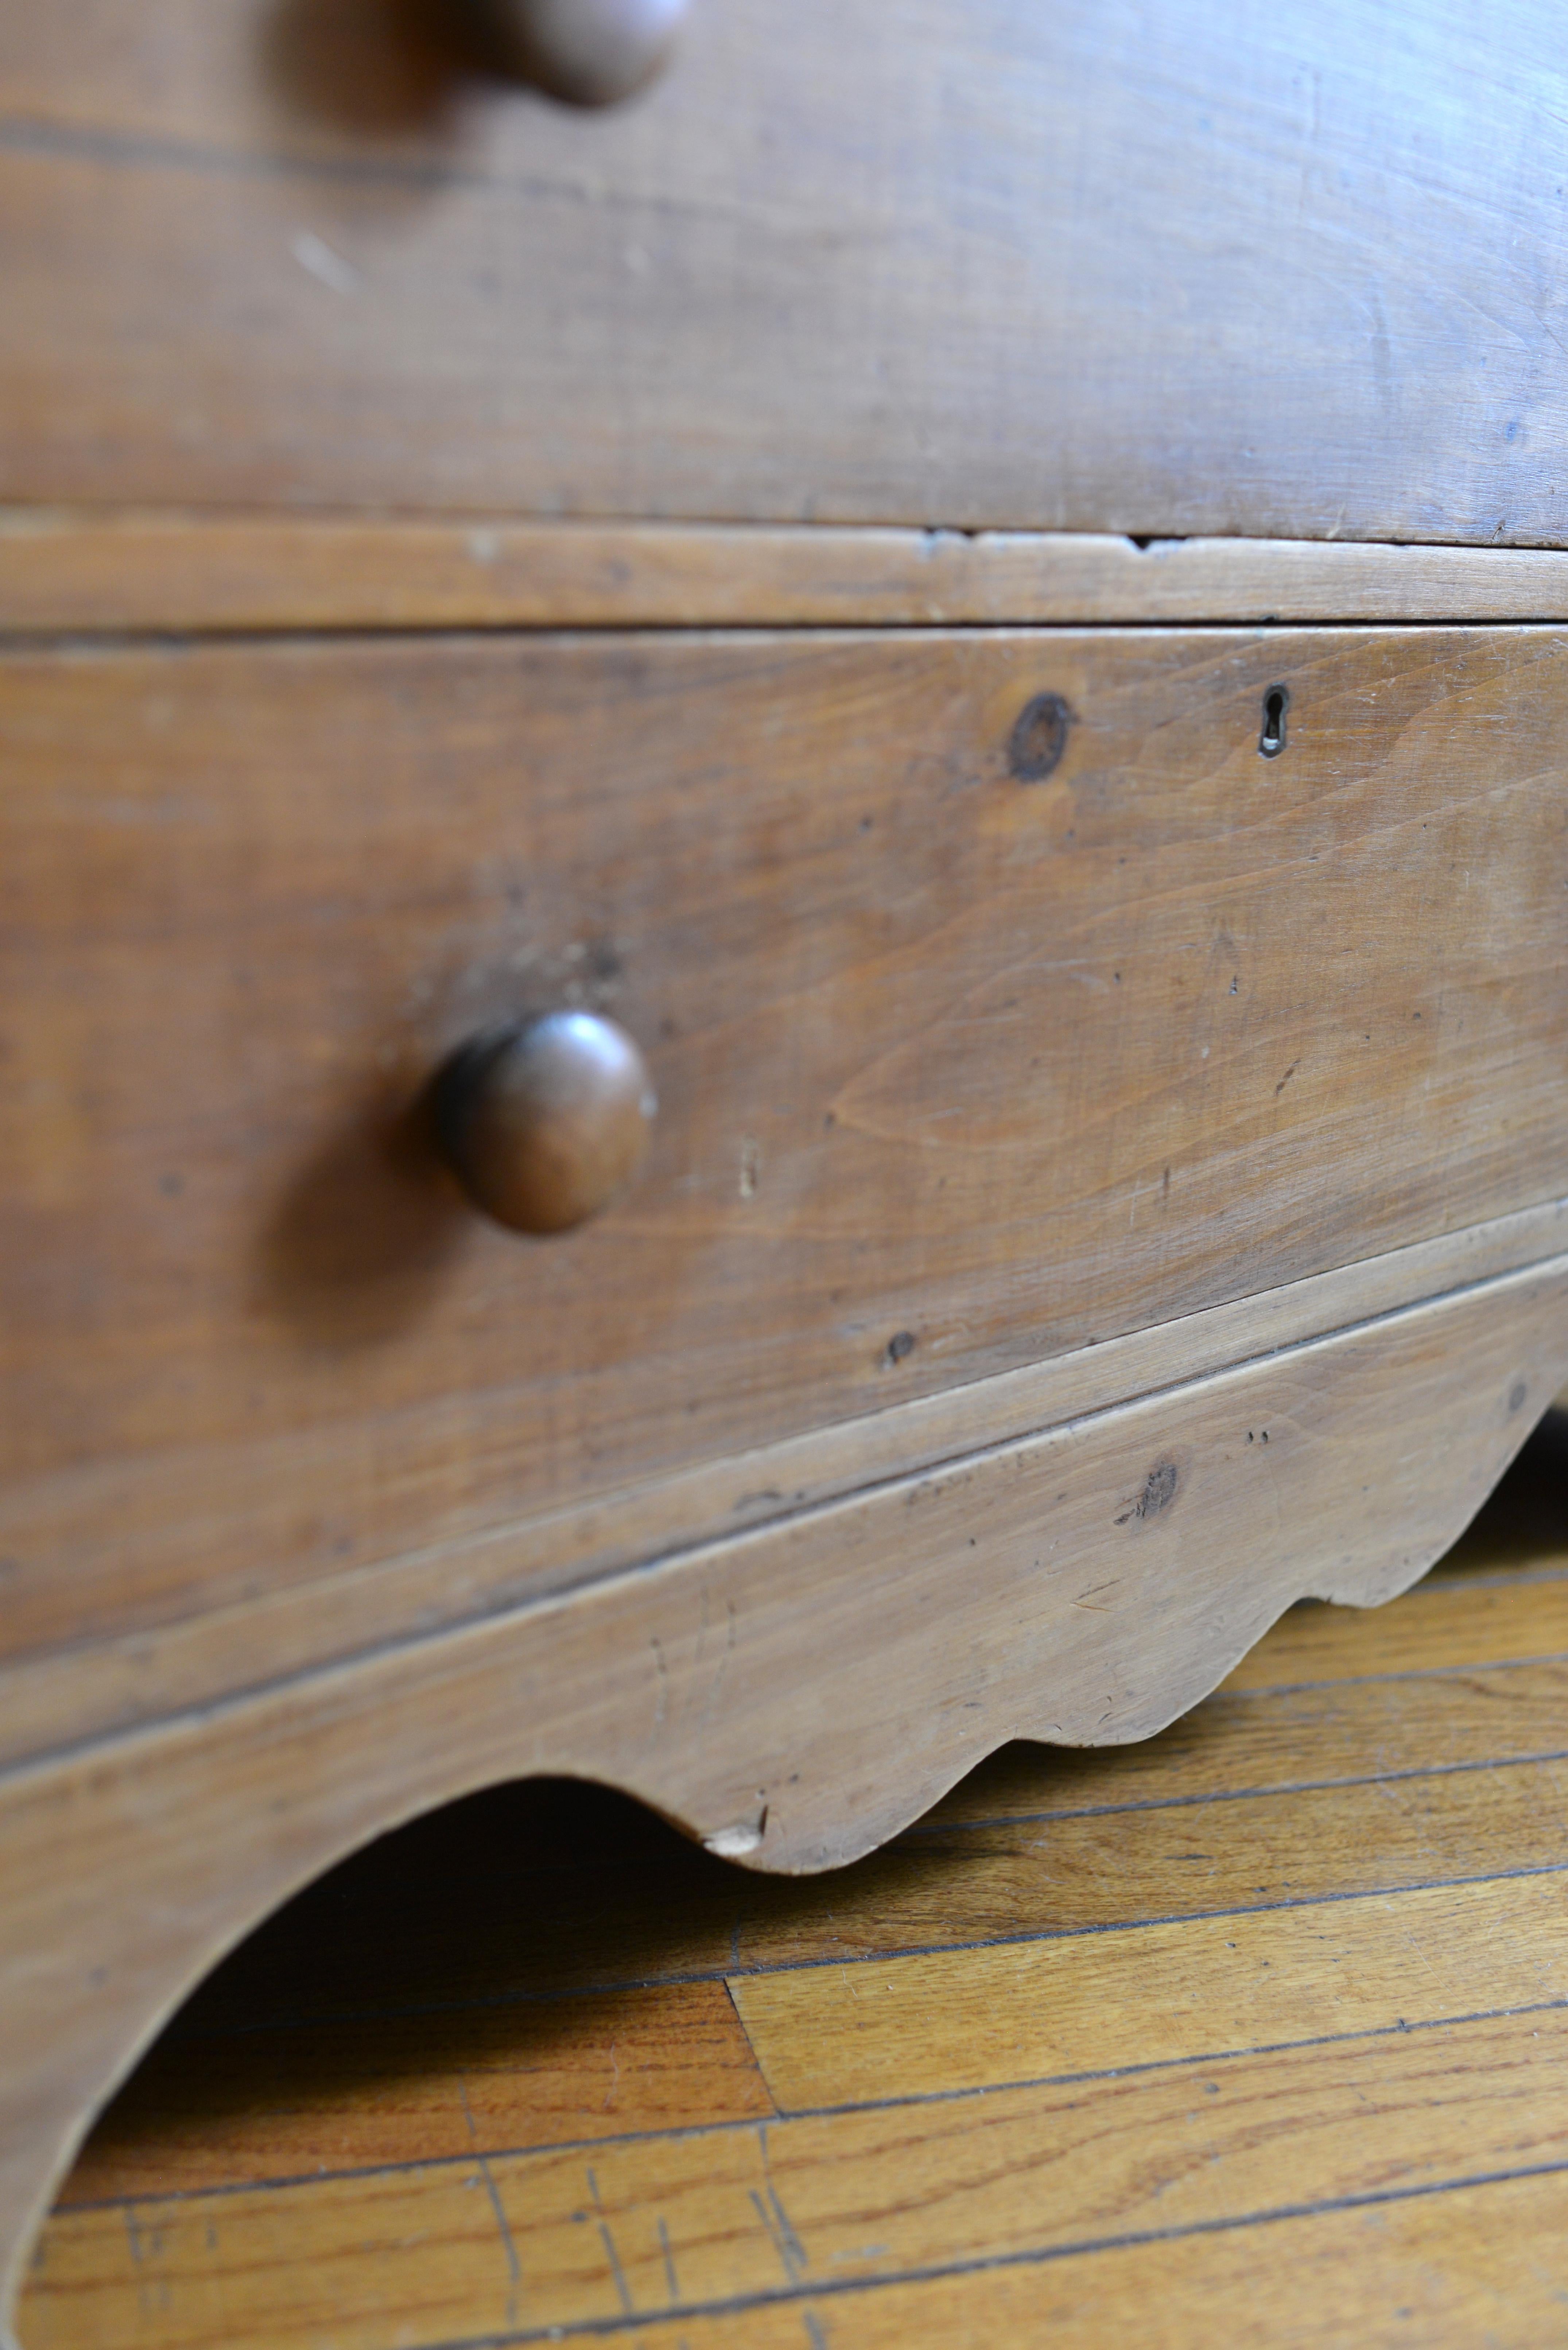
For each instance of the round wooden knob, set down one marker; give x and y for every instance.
(589, 52)
(544, 1123)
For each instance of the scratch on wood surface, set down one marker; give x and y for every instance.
(514, 2265)
(671, 2280)
(1086, 1598)
(329, 268)
(790, 2244)
(612, 2255)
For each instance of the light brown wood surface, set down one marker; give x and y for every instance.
(1107, 1183)
(1291, 272)
(792, 1697)
(105, 1685)
(88, 568)
(1266, 2040)
(958, 1074)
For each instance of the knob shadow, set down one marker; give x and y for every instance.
(379, 68)
(361, 1240)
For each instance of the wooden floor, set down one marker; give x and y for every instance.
(1256, 2033)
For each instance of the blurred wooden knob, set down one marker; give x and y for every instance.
(589, 52)
(544, 1123)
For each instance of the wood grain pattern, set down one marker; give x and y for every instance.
(1486, 2263)
(498, 2066)
(372, 2090)
(840, 2036)
(746, 2215)
(1243, 1736)
(1093, 1860)
(1246, 1852)
(133, 1678)
(1110, 1185)
(584, 1933)
(1453, 1625)
(88, 568)
(1095, 1595)
(1165, 1029)
(1091, 268)
(1127, 2201)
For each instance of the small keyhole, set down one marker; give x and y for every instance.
(1276, 701)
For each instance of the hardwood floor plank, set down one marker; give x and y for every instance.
(221, 2110)
(1488, 2264)
(1485, 2264)
(1108, 1869)
(457, 2158)
(502, 2071)
(425, 2249)
(1239, 1742)
(1441, 1624)
(666, 1910)
(629, 2228)
(965, 2019)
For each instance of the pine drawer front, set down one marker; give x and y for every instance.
(999, 994)
(1095, 266)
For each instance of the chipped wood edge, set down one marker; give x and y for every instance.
(58, 1699)
(88, 569)
(792, 1696)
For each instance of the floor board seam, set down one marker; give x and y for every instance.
(176, 2033)
(1404, 1673)
(681, 2132)
(926, 1833)
(840, 2288)
(727, 1972)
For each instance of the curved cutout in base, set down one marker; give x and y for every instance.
(792, 1696)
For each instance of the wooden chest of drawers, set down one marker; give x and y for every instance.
(468, 561)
